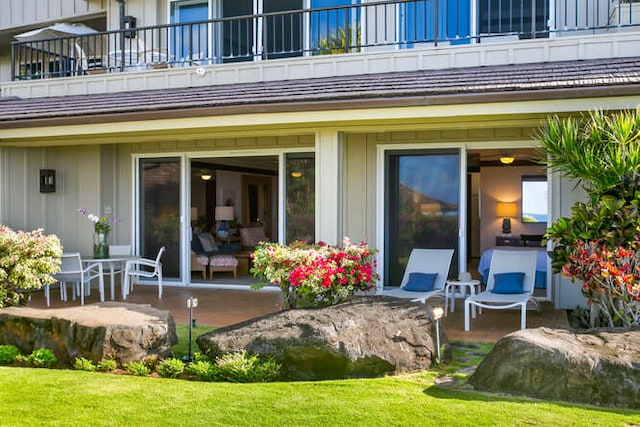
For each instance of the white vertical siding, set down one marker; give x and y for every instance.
(19, 13)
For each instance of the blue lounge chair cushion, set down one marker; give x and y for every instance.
(508, 283)
(420, 282)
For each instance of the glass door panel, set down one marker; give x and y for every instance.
(417, 22)
(238, 38)
(283, 36)
(300, 183)
(335, 30)
(422, 207)
(159, 212)
(189, 42)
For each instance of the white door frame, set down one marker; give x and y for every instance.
(380, 198)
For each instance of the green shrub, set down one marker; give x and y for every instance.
(82, 364)
(170, 368)
(107, 365)
(8, 354)
(139, 369)
(601, 153)
(151, 362)
(243, 367)
(203, 370)
(41, 358)
(28, 261)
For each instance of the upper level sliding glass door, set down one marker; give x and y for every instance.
(422, 207)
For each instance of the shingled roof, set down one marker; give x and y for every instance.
(548, 80)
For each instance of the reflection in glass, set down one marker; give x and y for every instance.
(300, 183)
(160, 212)
(422, 209)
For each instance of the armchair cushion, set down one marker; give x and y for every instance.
(508, 283)
(207, 243)
(252, 236)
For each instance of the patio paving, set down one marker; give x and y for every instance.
(221, 307)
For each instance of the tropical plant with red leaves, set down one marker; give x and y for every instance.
(611, 279)
(315, 275)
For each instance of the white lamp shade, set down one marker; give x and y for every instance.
(224, 213)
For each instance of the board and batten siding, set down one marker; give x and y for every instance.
(95, 177)
(20, 13)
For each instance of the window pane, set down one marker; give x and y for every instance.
(534, 199)
(160, 212)
(300, 183)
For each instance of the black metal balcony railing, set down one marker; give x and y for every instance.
(398, 24)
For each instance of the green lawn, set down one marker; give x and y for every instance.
(63, 397)
(73, 398)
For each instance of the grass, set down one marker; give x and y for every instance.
(76, 398)
(73, 398)
(182, 330)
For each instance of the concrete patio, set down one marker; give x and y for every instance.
(221, 307)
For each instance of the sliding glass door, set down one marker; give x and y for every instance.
(159, 211)
(422, 206)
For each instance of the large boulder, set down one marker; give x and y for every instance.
(598, 367)
(362, 337)
(110, 330)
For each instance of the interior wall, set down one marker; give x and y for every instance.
(229, 189)
(503, 184)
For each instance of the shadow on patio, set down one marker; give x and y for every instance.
(221, 307)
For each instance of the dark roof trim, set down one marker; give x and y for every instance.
(527, 82)
(550, 95)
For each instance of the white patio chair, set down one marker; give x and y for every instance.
(504, 261)
(142, 267)
(72, 270)
(430, 261)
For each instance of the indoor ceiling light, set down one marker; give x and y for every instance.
(205, 176)
(296, 174)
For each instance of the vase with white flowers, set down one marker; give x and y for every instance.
(101, 229)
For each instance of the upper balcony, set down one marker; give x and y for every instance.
(385, 26)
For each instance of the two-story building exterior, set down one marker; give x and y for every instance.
(315, 119)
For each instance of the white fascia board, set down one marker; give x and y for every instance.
(353, 119)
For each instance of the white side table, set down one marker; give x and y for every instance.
(460, 285)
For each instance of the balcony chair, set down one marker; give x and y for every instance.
(91, 55)
(510, 284)
(72, 270)
(142, 267)
(425, 275)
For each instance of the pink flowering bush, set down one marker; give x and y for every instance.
(315, 275)
(611, 279)
(28, 261)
